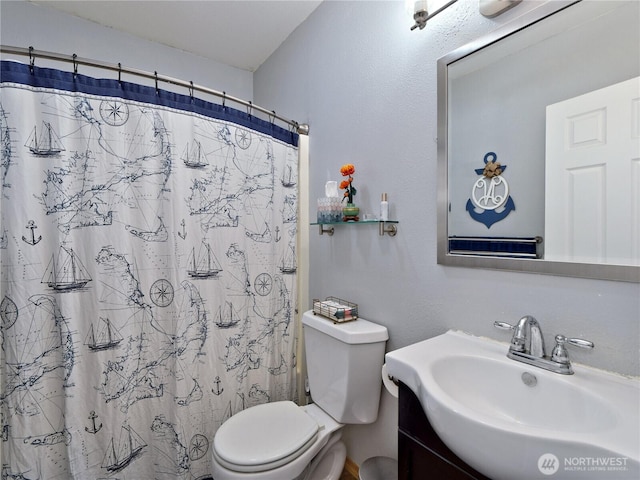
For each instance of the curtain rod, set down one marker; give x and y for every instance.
(33, 54)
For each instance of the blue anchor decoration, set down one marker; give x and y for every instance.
(495, 193)
(489, 217)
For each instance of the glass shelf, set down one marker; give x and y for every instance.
(384, 226)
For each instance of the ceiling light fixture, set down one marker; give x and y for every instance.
(493, 8)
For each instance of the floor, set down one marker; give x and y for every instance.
(347, 476)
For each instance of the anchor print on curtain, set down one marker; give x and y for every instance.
(147, 284)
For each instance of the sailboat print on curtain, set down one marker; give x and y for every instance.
(66, 272)
(194, 157)
(288, 179)
(47, 143)
(288, 264)
(227, 316)
(5, 147)
(102, 337)
(130, 446)
(205, 264)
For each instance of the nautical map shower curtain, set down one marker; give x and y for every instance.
(148, 275)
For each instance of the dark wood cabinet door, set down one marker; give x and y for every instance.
(421, 453)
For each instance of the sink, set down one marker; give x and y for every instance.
(510, 421)
(495, 388)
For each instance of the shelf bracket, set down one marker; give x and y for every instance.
(390, 229)
(322, 230)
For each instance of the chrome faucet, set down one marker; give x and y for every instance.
(527, 337)
(527, 346)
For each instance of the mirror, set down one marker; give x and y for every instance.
(502, 116)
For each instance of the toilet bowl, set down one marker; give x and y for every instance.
(283, 441)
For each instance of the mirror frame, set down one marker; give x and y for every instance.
(625, 273)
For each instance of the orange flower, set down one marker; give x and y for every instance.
(349, 190)
(347, 169)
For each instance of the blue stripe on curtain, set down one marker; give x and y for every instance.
(51, 78)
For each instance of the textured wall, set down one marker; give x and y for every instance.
(367, 87)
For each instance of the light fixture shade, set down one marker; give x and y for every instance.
(493, 8)
(413, 6)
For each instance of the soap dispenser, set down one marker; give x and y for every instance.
(384, 208)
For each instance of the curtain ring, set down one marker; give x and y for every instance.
(75, 65)
(32, 59)
(224, 99)
(272, 117)
(157, 90)
(191, 90)
(249, 108)
(119, 72)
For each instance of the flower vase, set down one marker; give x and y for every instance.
(350, 213)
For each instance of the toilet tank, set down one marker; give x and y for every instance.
(344, 361)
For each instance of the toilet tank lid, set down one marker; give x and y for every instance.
(357, 331)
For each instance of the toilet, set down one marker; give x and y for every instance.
(283, 441)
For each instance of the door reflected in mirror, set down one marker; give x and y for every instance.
(592, 170)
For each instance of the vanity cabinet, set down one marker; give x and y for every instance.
(421, 453)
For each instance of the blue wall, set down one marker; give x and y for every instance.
(367, 87)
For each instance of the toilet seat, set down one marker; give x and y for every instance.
(264, 437)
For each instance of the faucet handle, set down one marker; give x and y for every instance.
(517, 339)
(560, 354)
(576, 342)
(504, 326)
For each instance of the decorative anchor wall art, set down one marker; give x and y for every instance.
(490, 193)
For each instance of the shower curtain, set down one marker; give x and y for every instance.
(148, 274)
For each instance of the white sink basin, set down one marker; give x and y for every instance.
(514, 421)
